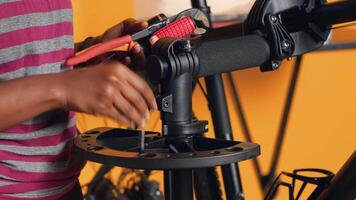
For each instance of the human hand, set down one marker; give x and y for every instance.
(112, 90)
(128, 26)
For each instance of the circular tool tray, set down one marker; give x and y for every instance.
(120, 147)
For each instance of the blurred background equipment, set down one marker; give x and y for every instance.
(131, 185)
(221, 10)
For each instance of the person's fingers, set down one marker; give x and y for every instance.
(139, 58)
(127, 26)
(118, 115)
(131, 26)
(136, 49)
(127, 61)
(153, 40)
(120, 55)
(135, 98)
(142, 87)
(129, 111)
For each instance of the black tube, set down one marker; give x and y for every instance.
(343, 185)
(96, 180)
(335, 13)
(225, 32)
(181, 104)
(232, 54)
(178, 184)
(203, 6)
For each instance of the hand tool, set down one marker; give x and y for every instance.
(181, 25)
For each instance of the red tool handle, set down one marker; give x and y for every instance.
(98, 49)
(177, 29)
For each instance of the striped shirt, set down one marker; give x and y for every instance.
(36, 36)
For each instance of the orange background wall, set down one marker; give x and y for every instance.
(321, 132)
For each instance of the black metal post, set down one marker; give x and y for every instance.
(168, 185)
(343, 185)
(178, 184)
(221, 120)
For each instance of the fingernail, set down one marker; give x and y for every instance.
(153, 39)
(127, 59)
(144, 24)
(137, 48)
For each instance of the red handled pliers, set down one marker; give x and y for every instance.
(178, 26)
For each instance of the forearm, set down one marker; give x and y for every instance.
(25, 98)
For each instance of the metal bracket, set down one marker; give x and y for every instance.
(281, 42)
(166, 103)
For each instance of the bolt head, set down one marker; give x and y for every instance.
(275, 65)
(165, 104)
(274, 19)
(286, 44)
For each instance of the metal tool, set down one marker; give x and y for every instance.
(185, 23)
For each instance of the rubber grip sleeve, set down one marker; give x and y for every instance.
(227, 55)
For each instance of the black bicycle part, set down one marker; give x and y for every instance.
(135, 185)
(119, 147)
(343, 185)
(334, 13)
(321, 182)
(287, 28)
(206, 184)
(96, 181)
(180, 148)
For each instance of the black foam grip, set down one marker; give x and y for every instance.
(227, 55)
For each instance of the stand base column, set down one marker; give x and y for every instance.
(178, 184)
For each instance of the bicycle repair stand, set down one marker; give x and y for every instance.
(273, 33)
(180, 149)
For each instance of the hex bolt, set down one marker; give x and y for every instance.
(286, 44)
(141, 141)
(166, 104)
(188, 45)
(274, 19)
(275, 65)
